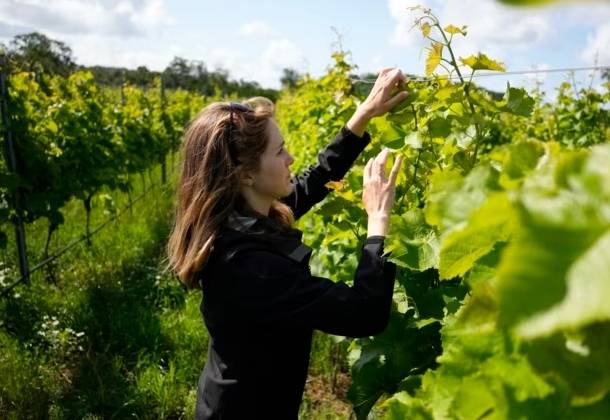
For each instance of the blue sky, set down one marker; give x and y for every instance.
(254, 40)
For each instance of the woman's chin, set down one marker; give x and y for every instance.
(288, 191)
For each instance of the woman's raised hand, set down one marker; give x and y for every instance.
(378, 192)
(383, 96)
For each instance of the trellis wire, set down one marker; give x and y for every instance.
(77, 240)
(489, 74)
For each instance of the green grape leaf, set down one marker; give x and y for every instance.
(485, 267)
(405, 117)
(425, 29)
(455, 30)
(482, 62)
(439, 127)
(392, 134)
(517, 101)
(449, 94)
(389, 357)
(414, 140)
(333, 206)
(522, 158)
(452, 197)
(480, 376)
(578, 359)
(413, 244)
(434, 58)
(431, 299)
(587, 281)
(475, 399)
(483, 100)
(402, 406)
(564, 217)
(597, 410)
(462, 247)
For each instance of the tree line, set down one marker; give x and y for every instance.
(36, 52)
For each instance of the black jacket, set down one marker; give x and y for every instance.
(261, 303)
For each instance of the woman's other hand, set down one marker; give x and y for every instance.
(378, 192)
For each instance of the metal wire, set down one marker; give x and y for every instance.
(79, 239)
(489, 74)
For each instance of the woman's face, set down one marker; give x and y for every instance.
(273, 178)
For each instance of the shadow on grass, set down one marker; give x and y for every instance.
(120, 314)
(122, 325)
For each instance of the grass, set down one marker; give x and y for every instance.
(104, 334)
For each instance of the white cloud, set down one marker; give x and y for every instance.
(403, 35)
(280, 54)
(283, 53)
(100, 32)
(598, 46)
(96, 50)
(117, 18)
(492, 27)
(223, 58)
(591, 13)
(377, 62)
(8, 30)
(257, 29)
(152, 14)
(490, 22)
(266, 68)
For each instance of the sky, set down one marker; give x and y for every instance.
(255, 40)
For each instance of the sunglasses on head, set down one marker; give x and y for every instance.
(234, 106)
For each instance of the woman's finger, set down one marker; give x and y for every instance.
(396, 78)
(367, 169)
(395, 169)
(384, 70)
(402, 83)
(396, 99)
(380, 162)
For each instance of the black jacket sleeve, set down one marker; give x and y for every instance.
(333, 163)
(272, 289)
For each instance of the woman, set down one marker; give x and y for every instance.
(233, 238)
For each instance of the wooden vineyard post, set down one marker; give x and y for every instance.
(11, 160)
(164, 158)
(123, 101)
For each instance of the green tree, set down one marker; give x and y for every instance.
(38, 53)
(289, 78)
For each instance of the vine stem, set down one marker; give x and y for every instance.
(477, 143)
(415, 166)
(356, 232)
(466, 88)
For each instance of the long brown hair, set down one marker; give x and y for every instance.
(208, 188)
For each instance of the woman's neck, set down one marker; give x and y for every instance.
(247, 209)
(258, 203)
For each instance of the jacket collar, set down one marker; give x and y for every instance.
(240, 222)
(267, 231)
